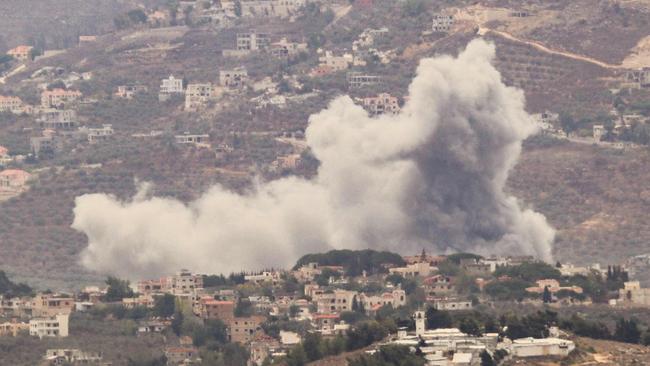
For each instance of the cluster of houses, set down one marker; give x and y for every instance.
(451, 347)
(322, 305)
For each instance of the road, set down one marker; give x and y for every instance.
(483, 30)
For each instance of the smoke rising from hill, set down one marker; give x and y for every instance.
(432, 176)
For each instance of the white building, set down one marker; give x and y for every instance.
(442, 23)
(170, 86)
(534, 347)
(99, 134)
(73, 356)
(56, 326)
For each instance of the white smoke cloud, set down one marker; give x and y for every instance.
(432, 176)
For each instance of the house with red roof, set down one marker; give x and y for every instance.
(13, 180)
(22, 52)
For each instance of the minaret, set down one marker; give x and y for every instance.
(420, 320)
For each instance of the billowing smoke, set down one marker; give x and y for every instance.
(431, 177)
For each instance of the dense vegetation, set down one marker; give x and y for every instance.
(354, 262)
(11, 289)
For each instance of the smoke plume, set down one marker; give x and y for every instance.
(431, 177)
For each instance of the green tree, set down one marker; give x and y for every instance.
(117, 289)
(438, 319)
(486, 359)
(627, 331)
(312, 346)
(546, 296)
(165, 306)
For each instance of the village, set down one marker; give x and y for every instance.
(193, 93)
(55, 126)
(424, 302)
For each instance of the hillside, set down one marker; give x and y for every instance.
(597, 198)
(57, 24)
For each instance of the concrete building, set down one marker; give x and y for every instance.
(451, 304)
(189, 139)
(12, 328)
(51, 118)
(253, 41)
(169, 87)
(286, 49)
(633, 294)
(197, 95)
(242, 330)
(265, 8)
(335, 301)
(533, 347)
(599, 132)
(13, 104)
(437, 286)
(209, 308)
(185, 281)
(422, 269)
(336, 63)
(381, 104)
(130, 91)
(442, 23)
(59, 98)
(271, 277)
(72, 356)
(181, 355)
(359, 80)
(47, 142)
(553, 286)
(50, 305)
(21, 53)
(99, 134)
(234, 79)
(14, 180)
(55, 326)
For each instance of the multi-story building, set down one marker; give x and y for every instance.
(55, 326)
(209, 308)
(336, 63)
(21, 53)
(242, 330)
(50, 305)
(12, 104)
(14, 180)
(12, 328)
(235, 78)
(99, 134)
(52, 118)
(72, 356)
(185, 282)
(286, 49)
(169, 87)
(252, 41)
(59, 98)
(382, 103)
(196, 95)
(335, 301)
(130, 91)
(192, 139)
(633, 294)
(359, 80)
(442, 23)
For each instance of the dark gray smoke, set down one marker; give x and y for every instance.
(431, 176)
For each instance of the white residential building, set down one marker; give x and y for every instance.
(170, 86)
(56, 326)
(442, 23)
(534, 347)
